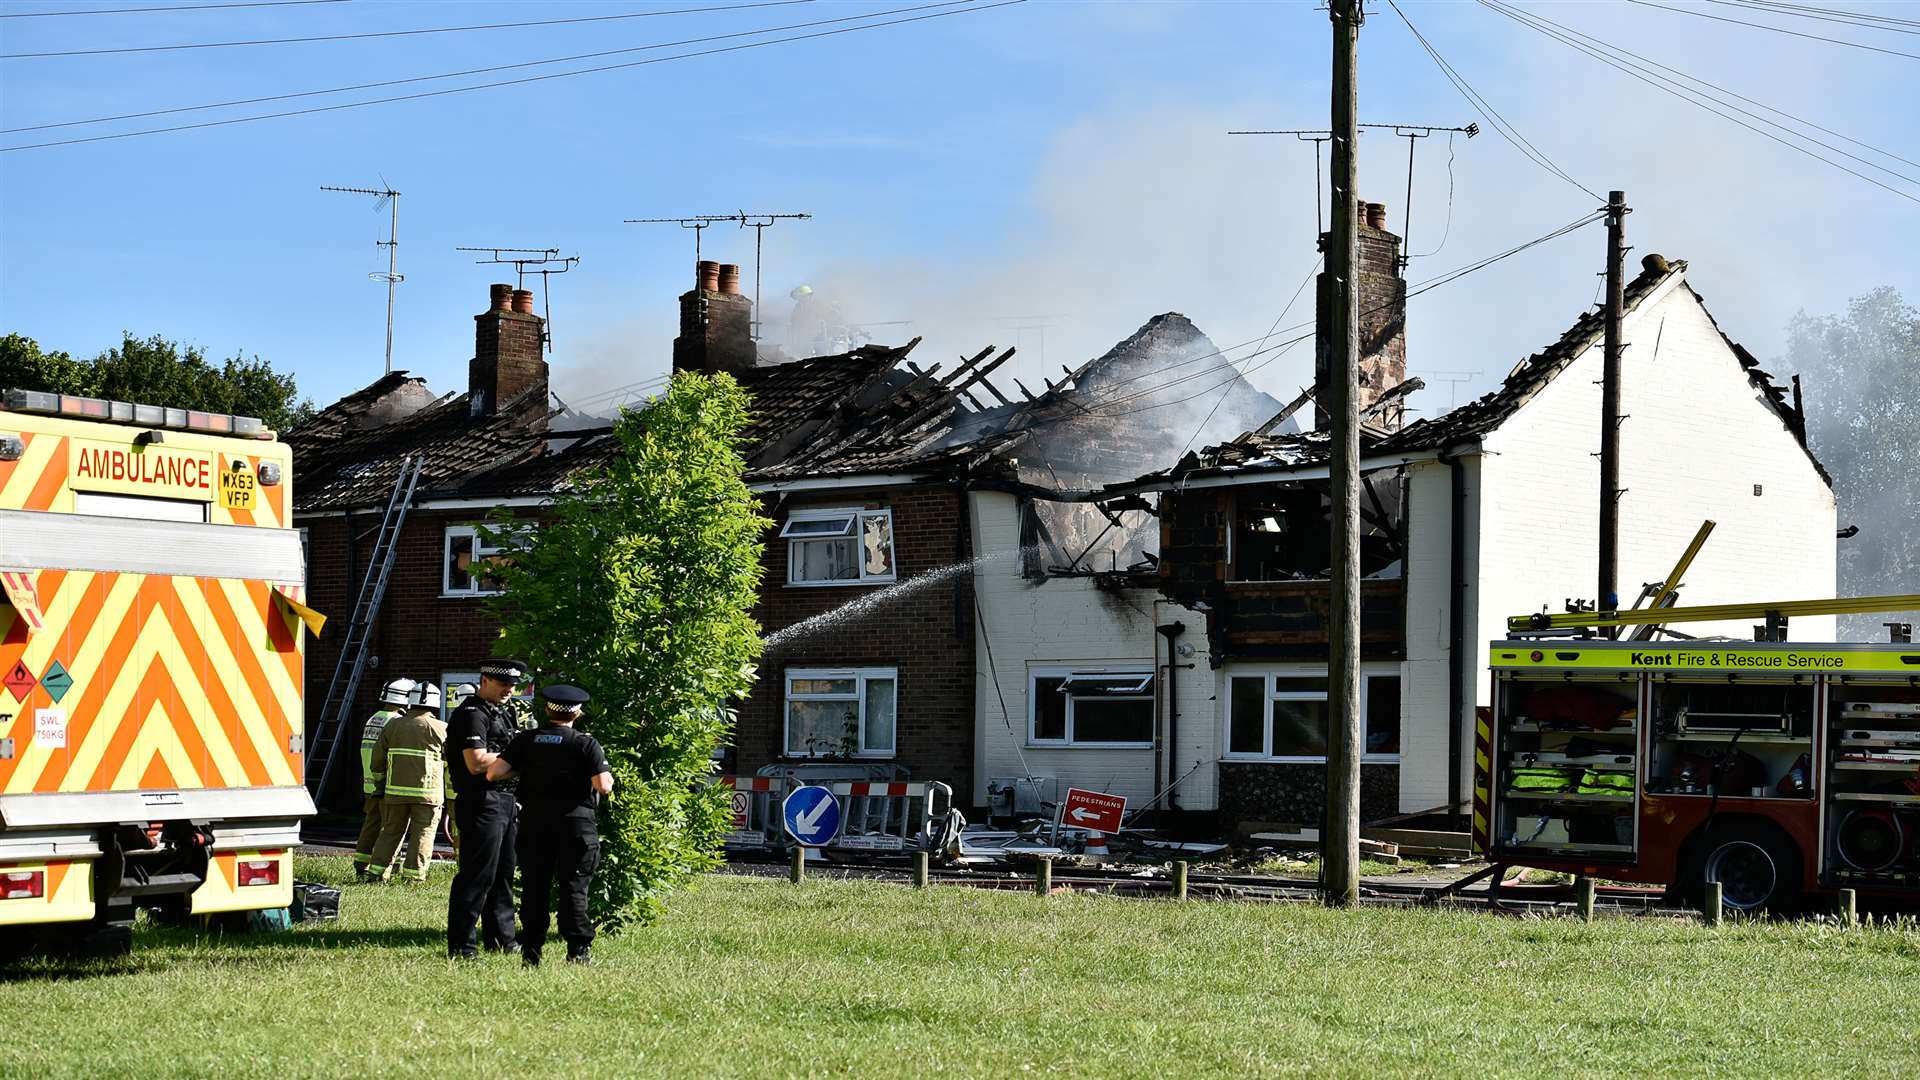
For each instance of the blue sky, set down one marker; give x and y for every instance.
(1046, 174)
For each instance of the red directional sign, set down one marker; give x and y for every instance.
(1093, 810)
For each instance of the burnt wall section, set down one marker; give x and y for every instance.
(925, 633)
(1295, 793)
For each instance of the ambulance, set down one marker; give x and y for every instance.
(151, 651)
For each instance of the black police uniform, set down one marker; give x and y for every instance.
(485, 813)
(559, 836)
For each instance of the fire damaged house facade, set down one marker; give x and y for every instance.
(1469, 517)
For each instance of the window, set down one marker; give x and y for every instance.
(845, 712)
(468, 551)
(839, 547)
(100, 504)
(1090, 708)
(1283, 716)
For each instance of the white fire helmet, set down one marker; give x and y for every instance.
(397, 692)
(458, 693)
(426, 694)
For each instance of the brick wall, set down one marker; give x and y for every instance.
(925, 633)
(419, 634)
(1383, 322)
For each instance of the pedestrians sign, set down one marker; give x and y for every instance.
(812, 815)
(1093, 810)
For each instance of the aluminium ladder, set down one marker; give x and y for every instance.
(351, 664)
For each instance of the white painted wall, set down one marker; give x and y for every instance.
(1053, 622)
(1698, 438)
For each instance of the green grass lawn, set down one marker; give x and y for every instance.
(755, 978)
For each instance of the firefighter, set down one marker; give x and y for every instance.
(393, 698)
(563, 773)
(410, 754)
(484, 814)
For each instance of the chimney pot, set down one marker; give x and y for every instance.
(707, 275)
(730, 278)
(523, 301)
(1377, 215)
(501, 296)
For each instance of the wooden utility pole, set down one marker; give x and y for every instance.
(1340, 847)
(1609, 592)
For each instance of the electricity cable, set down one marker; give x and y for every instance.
(485, 70)
(176, 7)
(1775, 29)
(1227, 387)
(508, 82)
(389, 33)
(1488, 112)
(1448, 230)
(1867, 16)
(1804, 122)
(1861, 21)
(1697, 101)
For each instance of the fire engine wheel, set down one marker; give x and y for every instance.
(1757, 867)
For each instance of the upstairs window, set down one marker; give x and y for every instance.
(839, 547)
(467, 552)
(1109, 709)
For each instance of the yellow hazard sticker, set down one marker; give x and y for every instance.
(237, 486)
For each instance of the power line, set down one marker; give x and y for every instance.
(1836, 11)
(177, 7)
(387, 33)
(1695, 99)
(1227, 387)
(1832, 15)
(1488, 112)
(1804, 122)
(508, 82)
(1776, 29)
(481, 70)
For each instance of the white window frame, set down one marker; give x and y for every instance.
(859, 516)
(481, 549)
(1035, 674)
(860, 677)
(1368, 673)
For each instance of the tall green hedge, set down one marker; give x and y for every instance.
(639, 588)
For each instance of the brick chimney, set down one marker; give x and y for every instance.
(507, 352)
(716, 322)
(1383, 319)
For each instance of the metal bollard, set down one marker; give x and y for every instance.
(919, 869)
(1043, 877)
(1715, 903)
(1849, 907)
(1179, 880)
(797, 868)
(1585, 888)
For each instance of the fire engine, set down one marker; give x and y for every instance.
(1779, 770)
(150, 668)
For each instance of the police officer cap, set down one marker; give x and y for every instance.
(505, 670)
(565, 697)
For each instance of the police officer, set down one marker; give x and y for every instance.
(563, 772)
(393, 698)
(456, 696)
(484, 812)
(410, 753)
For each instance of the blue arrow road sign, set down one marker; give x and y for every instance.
(812, 815)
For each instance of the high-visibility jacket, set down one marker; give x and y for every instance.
(371, 778)
(1596, 782)
(1540, 779)
(410, 752)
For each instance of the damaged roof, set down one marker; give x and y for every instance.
(1480, 417)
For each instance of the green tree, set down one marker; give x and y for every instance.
(638, 586)
(155, 371)
(1861, 375)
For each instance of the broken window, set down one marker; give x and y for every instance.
(1090, 708)
(468, 549)
(1083, 538)
(1284, 716)
(833, 547)
(1283, 532)
(844, 713)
